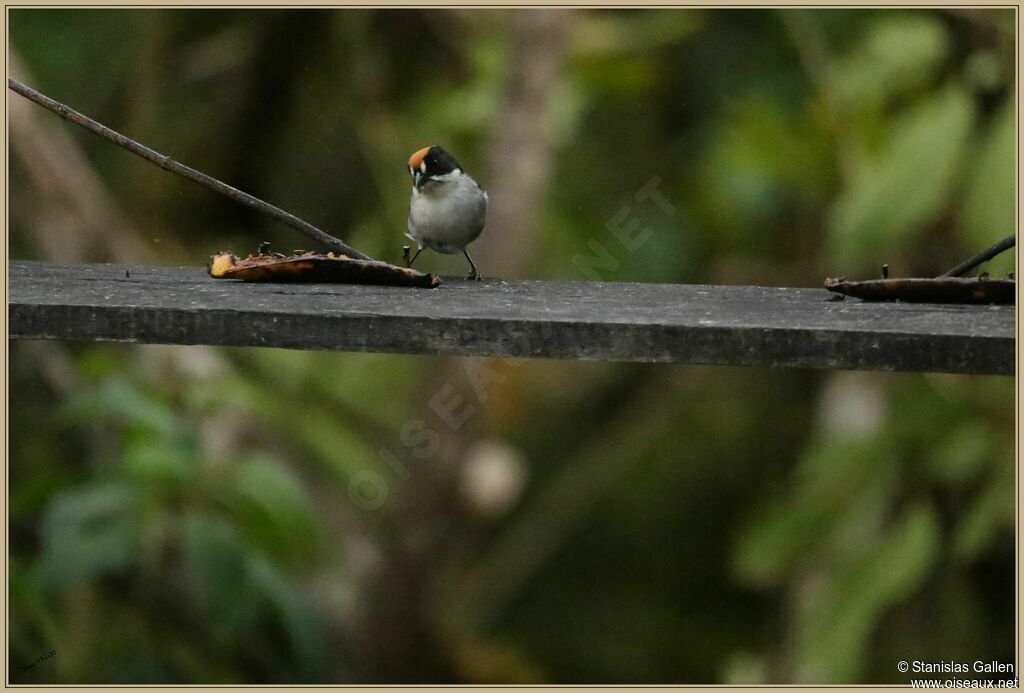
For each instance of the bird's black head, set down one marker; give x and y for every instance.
(429, 163)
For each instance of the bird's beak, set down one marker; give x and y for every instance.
(418, 179)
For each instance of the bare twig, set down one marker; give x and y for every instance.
(938, 290)
(168, 164)
(972, 262)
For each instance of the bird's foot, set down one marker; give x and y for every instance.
(474, 275)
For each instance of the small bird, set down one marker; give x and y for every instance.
(447, 209)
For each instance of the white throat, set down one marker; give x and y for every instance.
(438, 183)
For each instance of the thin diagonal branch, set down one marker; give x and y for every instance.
(168, 164)
(984, 256)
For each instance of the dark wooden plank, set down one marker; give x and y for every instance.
(662, 323)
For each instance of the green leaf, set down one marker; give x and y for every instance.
(239, 584)
(900, 53)
(835, 626)
(838, 486)
(272, 505)
(961, 453)
(157, 463)
(890, 200)
(297, 612)
(87, 532)
(990, 510)
(216, 558)
(776, 539)
(121, 401)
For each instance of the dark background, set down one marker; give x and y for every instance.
(207, 515)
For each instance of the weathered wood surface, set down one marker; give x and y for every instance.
(663, 323)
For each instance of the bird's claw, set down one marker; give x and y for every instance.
(474, 275)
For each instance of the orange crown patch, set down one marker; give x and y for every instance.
(416, 159)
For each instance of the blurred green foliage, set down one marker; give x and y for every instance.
(191, 514)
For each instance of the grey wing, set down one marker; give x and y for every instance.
(412, 231)
(481, 220)
(483, 206)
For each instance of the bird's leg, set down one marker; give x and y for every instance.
(408, 262)
(474, 273)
